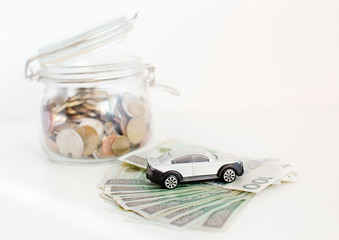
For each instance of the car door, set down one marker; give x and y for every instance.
(183, 165)
(202, 165)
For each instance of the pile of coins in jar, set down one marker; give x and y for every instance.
(92, 124)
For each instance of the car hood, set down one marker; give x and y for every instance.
(153, 162)
(227, 158)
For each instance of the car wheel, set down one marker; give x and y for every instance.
(229, 175)
(171, 182)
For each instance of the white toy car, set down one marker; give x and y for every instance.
(192, 164)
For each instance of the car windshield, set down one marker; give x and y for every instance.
(162, 159)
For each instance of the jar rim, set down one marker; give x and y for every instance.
(92, 69)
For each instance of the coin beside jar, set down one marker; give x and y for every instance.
(93, 124)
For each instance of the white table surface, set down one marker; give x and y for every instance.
(40, 199)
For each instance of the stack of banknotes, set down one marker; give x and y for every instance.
(206, 206)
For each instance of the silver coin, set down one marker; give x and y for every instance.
(70, 143)
(110, 128)
(133, 106)
(94, 123)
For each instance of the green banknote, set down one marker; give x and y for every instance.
(220, 218)
(258, 173)
(199, 206)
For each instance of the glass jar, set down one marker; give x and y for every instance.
(96, 109)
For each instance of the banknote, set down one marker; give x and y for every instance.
(153, 210)
(258, 173)
(187, 220)
(207, 206)
(127, 205)
(218, 219)
(255, 180)
(198, 210)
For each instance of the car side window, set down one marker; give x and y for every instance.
(182, 159)
(200, 158)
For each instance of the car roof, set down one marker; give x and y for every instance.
(182, 151)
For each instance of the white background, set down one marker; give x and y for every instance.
(219, 54)
(260, 77)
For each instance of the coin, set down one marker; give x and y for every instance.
(99, 95)
(60, 108)
(133, 106)
(59, 118)
(77, 118)
(107, 143)
(47, 121)
(136, 109)
(71, 111)
(97, 123)
(55, 102)
(90, 107)
(75, 97)
(90, 139)
(86, 96)
(81, 109)
(66, 125)
(123, 125)
(110, 128)
(136, 130)
(121, 146)
(91, 114)
(98, 154)
(74, 103)
(51, 145)
(94, 123)
(70, 143)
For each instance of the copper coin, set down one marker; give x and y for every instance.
(70, 143)
(136, 130)
(90, 139)
(47, 121)
(121, 145)
(107, 143)
(51, 145)
(77, 118)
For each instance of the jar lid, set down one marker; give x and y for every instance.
(52, 64)
(59, 53)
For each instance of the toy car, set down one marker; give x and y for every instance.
(192, 164)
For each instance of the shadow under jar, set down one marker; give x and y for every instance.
(95, 111)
